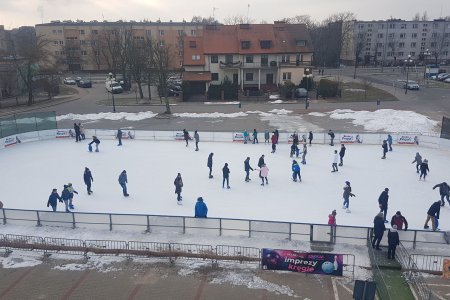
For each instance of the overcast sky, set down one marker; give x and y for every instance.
(14, 13)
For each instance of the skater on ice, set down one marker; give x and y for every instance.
(65, 196)
(226, 176)
(123, 180)
(341, 155)
(383, 202)
(393, 241)
(310, 137)
(266, 136)
(277, 134)
(399, 221)
(201, 210)
(119, 136)
(296, 171)
(332, 218)
(346, 195)
(88, 179)
(197, 140)
(178, 182)
(82, 131)
(384, 146)
(334, 162)
(255, 137)
(247, 169)
(263, 173)
(424, 169)
(444, 191)
(96, 141)
(210, 164)
(389, 141)
(418, 161)
(294, 150)
(186, 136)
(77, 132)
(378, 230)
(261, 161)
(433, 213)
(304, 152)
(295, 138)
(245, 134)
(331, 134)
(53, 199)
(71, 191)
(274, 141)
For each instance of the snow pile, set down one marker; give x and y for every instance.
(280, 111)
(213, 115)
(221, 103)
(19, 259)
(100, 263)
(109, 116)
(317, 114)
(355, 90)
(276, 102)
(274, 97)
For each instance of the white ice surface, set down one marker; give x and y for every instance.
(31, 170)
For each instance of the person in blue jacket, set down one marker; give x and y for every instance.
(296, 171)
(389, 141)
(52, 199)
(201, 210)
(65, 196)
(123, 180)
(246, 136)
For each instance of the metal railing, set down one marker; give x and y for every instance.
(429, 263)
(382, 287)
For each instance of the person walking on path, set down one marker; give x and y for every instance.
(444, 191)
(424, 169)
(197, 140)
(72, 191)
(332, 218)
(255, 137)
(383, 202)
(346, 195)
(210, 164)
(65, 196)
(96, 141)
(245, 134)
(331, 134)
(226, 176)
(296, 171)
(178, 182)
(274, 142)
(266, 137)
(77, 132)
(123, 180)
(82, 131)
(389, 141)
(418, 161)
(88, 179)
(384, 146)
(432, 214)
(310, 137)
(247, 169)
(264, 172)
(341, 155)
(53, 199)
(119, 136)
(399, 221)
(393, 241)
(335, 161)
(201, 210)
(378, 230)
(304, 152)
(186, 136)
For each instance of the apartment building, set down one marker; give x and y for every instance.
(4, 40)
(79, 45)
(391, 41)
(252, 56)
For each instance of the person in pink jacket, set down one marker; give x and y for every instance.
(264, 171)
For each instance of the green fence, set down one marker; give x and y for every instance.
(27, 122)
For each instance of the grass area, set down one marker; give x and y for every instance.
(397, 285)
(358, 92)
(132, 101)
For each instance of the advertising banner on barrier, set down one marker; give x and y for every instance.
(10, 141)
(64, 133)
(302, 262)
(407, 139)
(126, 135)
(350, 138)
(238, 137)
(179, 136)
(446, 268)
(301, 137)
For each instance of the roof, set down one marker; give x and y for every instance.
(226, 39)
(197, 76)
(190, 51)
(117, 23)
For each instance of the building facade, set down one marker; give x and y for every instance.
(251, 56)
(390, 42)
(87, 46)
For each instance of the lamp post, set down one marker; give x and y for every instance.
(112, 91)
(425, 56)
(407, 62)
(307, 75)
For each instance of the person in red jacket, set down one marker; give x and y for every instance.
(399, 220)
(332, 218)
(274, 142)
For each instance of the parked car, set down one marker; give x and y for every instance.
(301, 93)
(124, 83)
(443, 76)
(447, 80)
(84, 83)
(411, 85)
(69, 81)
(77, 79)
(113, 87)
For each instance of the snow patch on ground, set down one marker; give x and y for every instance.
(355, 90)
(276, 101)
(19, 259)
(317, 114)
(109, 116)
(280, 111)
(213, 115)
(221, 103)
(274, 97)
(100, 263)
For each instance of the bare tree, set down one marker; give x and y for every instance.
(392, 44)
(416, 17)
(359, 43)
(205, 21)
(301, 19)
(439, 43)
(237, 19)
(424, 16)
(136, 57)
(162, 57)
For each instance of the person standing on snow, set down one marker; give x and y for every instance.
(72, 191)
(65, 196)
(383, 203)
(444, 191)
(433, 214)
(331, 134)
(274, 143)
(393, 241)
(399, 220)
(378, 230)
(201, 210)
(424, 169)
(226, 176)
(341, 155)
(385, 149)
(304, 152)
(418, 161)
(197, 140)
(178, 182)
(247, 169)
(335, 161)
(88, 179)
(266, 136)
(119, 136)
(77, 132)
(346, 195)
(186, 136)
(310, 137)
(389, 141)
(296, 171)
(264, 171)
(255, 137)
(332, 218)
(53, 199)
(123, 180)
(96, 141)
(210, 164)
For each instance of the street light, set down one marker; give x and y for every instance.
(112, 91)
(425, 55)
(307, 75)
(407, 62)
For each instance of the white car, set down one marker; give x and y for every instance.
(447, 80)
(411, 85)
(69, 81)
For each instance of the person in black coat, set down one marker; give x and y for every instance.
(385, 149)
(226, 176)
(383, 203)
(178, 182)
(53, 199)
(88, 179)
(310, 137)
(261, 161)
(444, 191)
(119, 136)
(96, 141)
(186, 136)
(393, 241)
(424, 169)
(342, 154)
(210, 164)
(247, 169)
(433, 214)
(378, 230)
(277, 134)
(77, 132)
(331, 134)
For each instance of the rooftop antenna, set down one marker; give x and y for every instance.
(40, 9)
(214, 10)
(103, 17)
(248, 10)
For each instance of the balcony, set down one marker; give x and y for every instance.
(230, 65)
(294, 63)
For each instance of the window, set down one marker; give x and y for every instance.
(413, 45)
(415, 25)
(412, 53)
(424, 34)
(400, 54)
(264, 60)
(299, 58)
(381, 26)
(56, 52)
(369, 25)
(391, 35)
(181, 32)
(287, 76)
(401, 45)
(379, 44)
(81, 32)
(138, 38)
(162, 43)
(402, 35)
(392, 26)
(249, 59)
(424, 39)
(192, 44)
(425, 30)
(433, 44)
(195, 57)
(61, 42)
(148, 32)
(94, 31)
(55, 42)
(54, 32)
(447, 34)
(245, 44)
(360, 26)
(228, 59)
(445, 53)
(434, 35)
(435, 25)
(193, 32)
(425, 25)
(215, 76)
(285, 58)
(423, 44)
(378, 53)
(403, 26)
(96, 52)
(300, 43)
(249, 76)
(83, 52)
(161, 32)
(82, 42)
(380, 35)
(414, 35)
(214, 59)
(265, 44)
